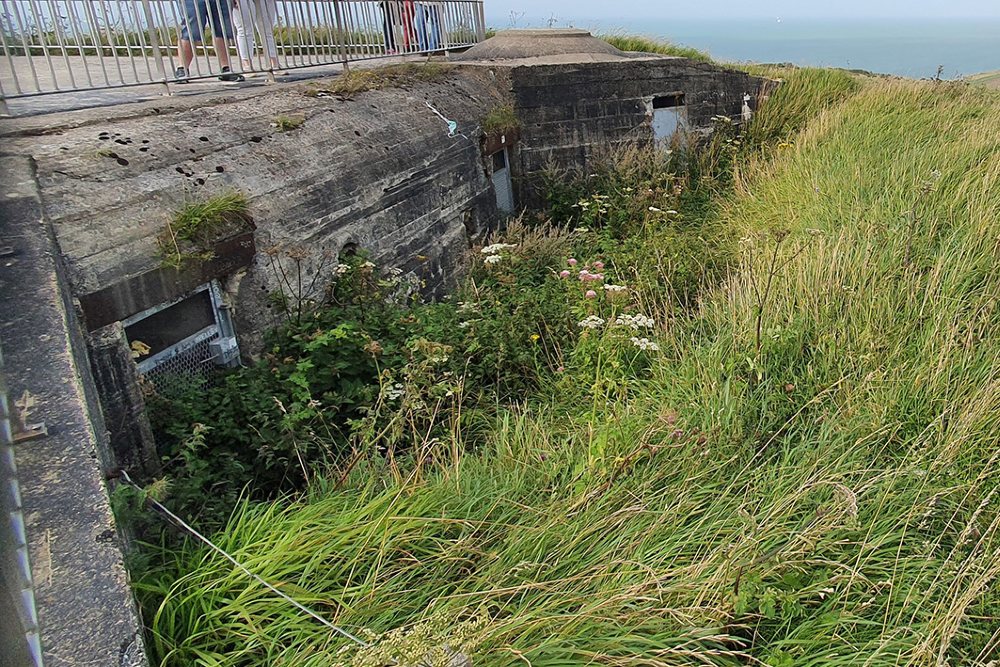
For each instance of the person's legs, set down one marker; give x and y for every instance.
(388, 25)
(185, 53)
(222, 30)
(192, 17)
(267, 13)
(243, 20)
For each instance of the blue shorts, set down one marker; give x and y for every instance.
(199, 12)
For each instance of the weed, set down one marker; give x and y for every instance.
(500, 119)
(389, 76)
(193, 229)
(288, 123)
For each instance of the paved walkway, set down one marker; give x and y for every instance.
(139, 92)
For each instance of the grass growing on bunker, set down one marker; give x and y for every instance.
(626, 42)
(399, 75)
(193, 228)
(288, 123)
(501, 118)
(804, 471)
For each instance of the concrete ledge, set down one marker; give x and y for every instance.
(86, 613)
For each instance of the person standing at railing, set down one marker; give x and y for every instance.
(195, 14)
(397, 14)
(263, 14)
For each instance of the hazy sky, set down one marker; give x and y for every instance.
(578, 9)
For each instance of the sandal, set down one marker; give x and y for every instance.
(229, 75)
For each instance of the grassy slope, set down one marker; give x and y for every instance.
(828, 498)
(626, 42)
(988, 79)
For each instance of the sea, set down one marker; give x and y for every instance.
(904, 47)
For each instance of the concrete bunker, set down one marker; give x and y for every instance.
(413, 193)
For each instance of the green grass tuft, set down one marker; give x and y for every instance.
(194, 227)
(501, 118)
(288, 123)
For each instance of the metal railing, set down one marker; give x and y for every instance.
(53, 46)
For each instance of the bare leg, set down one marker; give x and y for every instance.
(221, 50)
(185, 54)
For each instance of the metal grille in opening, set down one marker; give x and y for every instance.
(190, 365)
(181, 339)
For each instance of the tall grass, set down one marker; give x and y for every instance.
(823, 492)
(643, 44)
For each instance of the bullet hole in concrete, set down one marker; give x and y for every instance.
(357, 132)
(202, 138)
(123, 162)
(143, 149)
(199, 181)
(256, 140)
(110, 154)
(63, 148)
(220, 169)
(145, 141)
(192, 150)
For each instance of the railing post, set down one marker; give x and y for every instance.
(480, 22)
(154, 44)
(341, 46)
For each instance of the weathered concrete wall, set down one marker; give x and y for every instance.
(85, 610)
(572, 112)
(379, 171)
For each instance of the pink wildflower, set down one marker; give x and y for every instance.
(564, 274)
(598, 265)
(571, 261)
(591, 294)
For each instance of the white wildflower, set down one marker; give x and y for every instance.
(395, 271)
(581, 230)
(493, 259)
(591, 322)
(634, 322)
(367, 265)
(644, 344)
(615, 289)
(653, 209)
(496, 248)
(342, 269)
(393, 391)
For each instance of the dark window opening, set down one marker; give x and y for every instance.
(174, 323)
(668, 101)
(349, 250)
(499, 160)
